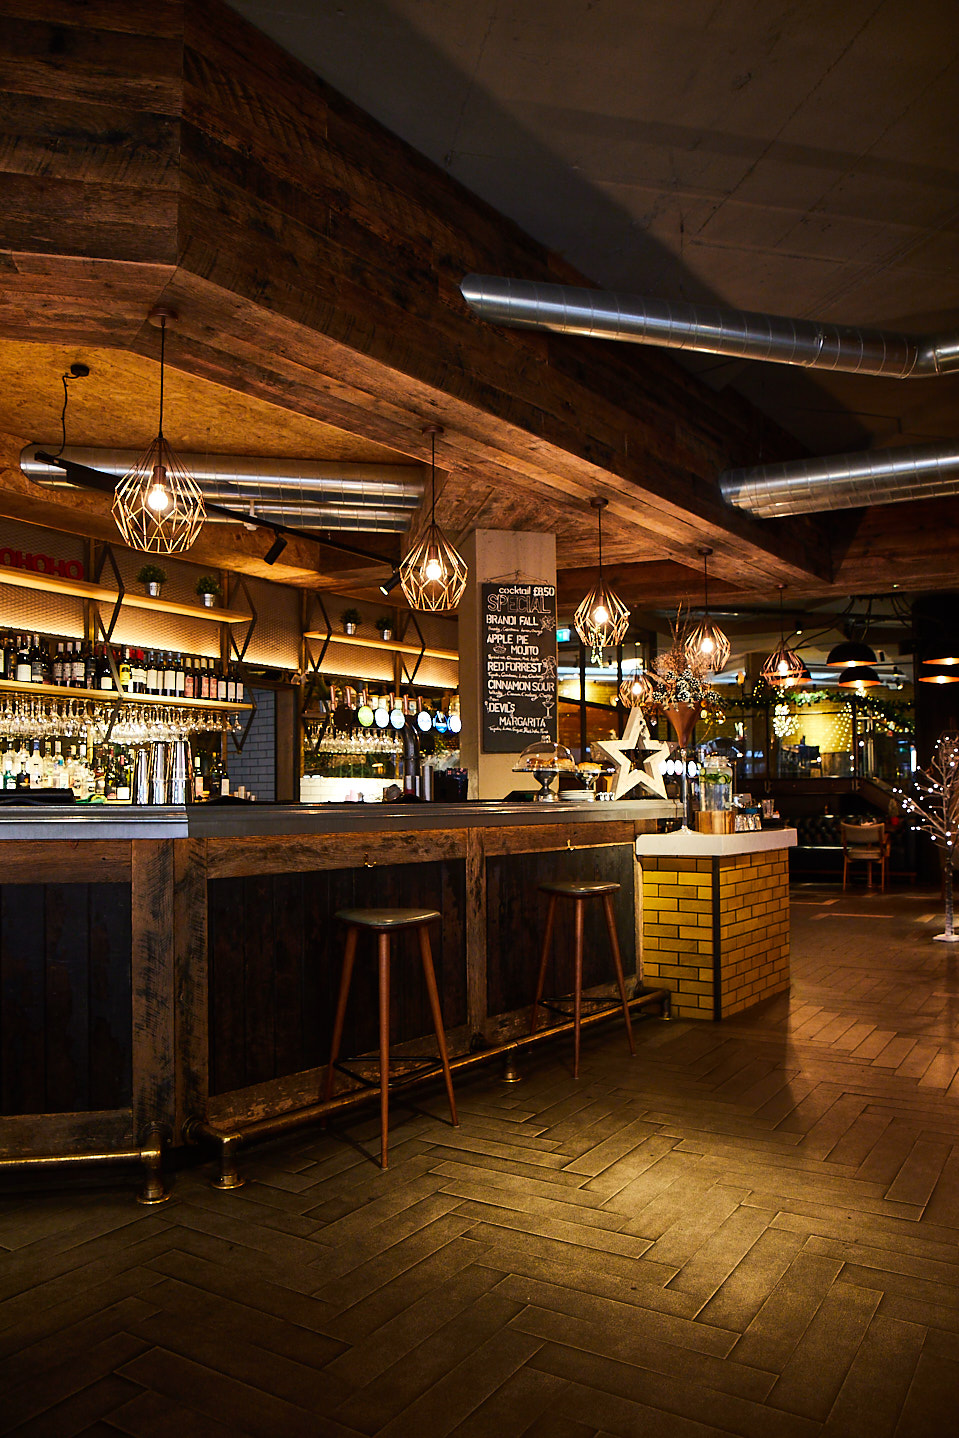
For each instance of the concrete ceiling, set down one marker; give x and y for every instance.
(798, 159)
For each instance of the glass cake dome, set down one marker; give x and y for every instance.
(545, 760)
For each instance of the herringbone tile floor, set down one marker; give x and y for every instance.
(749, 1229)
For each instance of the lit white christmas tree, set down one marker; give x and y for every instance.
(934, 807)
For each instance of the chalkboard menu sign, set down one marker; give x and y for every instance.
(519, 665)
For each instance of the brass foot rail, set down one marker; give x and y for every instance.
(196, 1129)
(150, 1154)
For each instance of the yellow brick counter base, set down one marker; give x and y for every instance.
(716, 925)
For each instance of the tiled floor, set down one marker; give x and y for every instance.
(748, 1229)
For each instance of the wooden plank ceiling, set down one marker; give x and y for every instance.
(169, 153)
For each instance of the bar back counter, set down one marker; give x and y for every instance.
(170, 974)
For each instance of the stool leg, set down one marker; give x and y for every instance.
(618, 962)
(349, 954)
(544, 960)
(430, 977)
(383, 952)
(577, 981)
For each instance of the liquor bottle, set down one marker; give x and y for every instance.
(79, 666)
(199, 788)
(90, 668)
(37, 666)
(24, 669)
(7, 769)
(220, 685)
(180, 672)
(189, 679)
(205, 679)
(153, 681)
(104, 672)
(138, 674)
(126, 672)
(34, 766)
(169, 677)
(123, 777)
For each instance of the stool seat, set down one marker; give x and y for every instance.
(381, 919)
(579, 888)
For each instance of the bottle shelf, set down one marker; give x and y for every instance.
(64, 691)
(100, 594)
(392, 646)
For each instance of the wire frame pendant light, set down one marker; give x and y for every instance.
(637, 688)
(602, 618)
(783, 669)
(158, 505)
(433, 574)
(707, 642)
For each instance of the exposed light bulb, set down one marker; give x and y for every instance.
(600, 614)
(707, 646)
(434, 569)
(782, 667)
(158, 496)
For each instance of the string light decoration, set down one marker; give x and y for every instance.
(602, 618)
(934, 808)
(707, 641)
(784, 668)
(784, 721)
(158, 505)
(433, 574)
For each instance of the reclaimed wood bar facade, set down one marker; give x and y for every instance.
(147, 982)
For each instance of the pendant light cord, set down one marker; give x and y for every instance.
(162, 355)
(433, 480)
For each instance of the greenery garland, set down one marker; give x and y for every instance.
(900, 716)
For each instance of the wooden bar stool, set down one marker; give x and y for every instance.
(384, 923)
(580, 891)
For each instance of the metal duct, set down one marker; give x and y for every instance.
(566, 310)
(844, 481)
(374, 497)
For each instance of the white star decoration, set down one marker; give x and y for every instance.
(636, 736)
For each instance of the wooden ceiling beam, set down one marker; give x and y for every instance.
(315, 261)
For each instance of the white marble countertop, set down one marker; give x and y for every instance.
(688, 844)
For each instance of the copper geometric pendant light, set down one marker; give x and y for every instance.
(602, 618)
(433, 575)
(158, 505)
(707, 642)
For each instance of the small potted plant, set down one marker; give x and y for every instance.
(209, 589)
(350, 619)
(152, 577)
(384, 626)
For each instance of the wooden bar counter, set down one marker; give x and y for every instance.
(165, 965)
(716, 918)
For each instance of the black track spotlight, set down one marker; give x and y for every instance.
(390, 584)
(275, 550)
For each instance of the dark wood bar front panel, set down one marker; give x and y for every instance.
(65, 1011)
(275, 954)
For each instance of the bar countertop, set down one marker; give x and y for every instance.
(688, 844)
(214, 821)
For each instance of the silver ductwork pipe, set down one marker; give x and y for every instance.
(844, 481)
(373, 497)
(527, 304)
